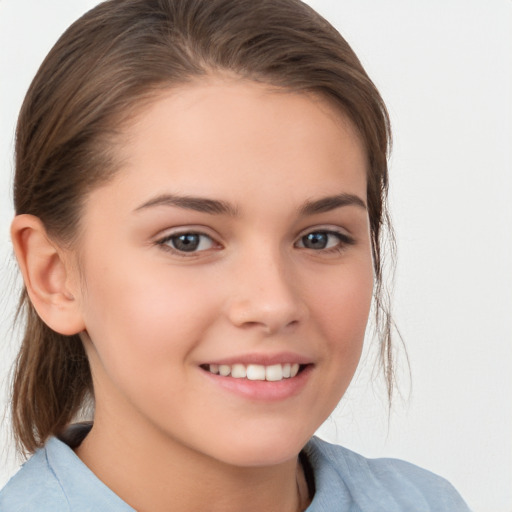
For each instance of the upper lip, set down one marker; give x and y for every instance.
(262, 359)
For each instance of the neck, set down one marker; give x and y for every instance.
(159, 474)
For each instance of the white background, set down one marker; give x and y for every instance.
(445, 71)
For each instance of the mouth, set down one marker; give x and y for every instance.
(256, 372)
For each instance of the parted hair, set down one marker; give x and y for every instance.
(100, 73)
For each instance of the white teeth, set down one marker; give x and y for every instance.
(238, 371)
(274, 372)
(224, 370)
(256, 372)
(271, 373)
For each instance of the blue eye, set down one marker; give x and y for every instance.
(324, 240)
(188, 242)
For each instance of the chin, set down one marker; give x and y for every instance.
(262, 448)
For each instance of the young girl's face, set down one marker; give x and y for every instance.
(235, 237)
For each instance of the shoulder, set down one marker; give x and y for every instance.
(56, 480)
(347, 478)
(33, 487)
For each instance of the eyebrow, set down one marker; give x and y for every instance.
(326, 204)
(198, 204)
(218, 207)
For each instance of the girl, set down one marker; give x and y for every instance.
(200, 196)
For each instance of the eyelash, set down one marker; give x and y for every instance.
(166, 242)
(343, 241)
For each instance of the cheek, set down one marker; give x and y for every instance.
(341, 306)
(138, 316)
(342, 311)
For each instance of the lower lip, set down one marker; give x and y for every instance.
(263, 390)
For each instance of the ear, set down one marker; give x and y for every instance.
(49, 278)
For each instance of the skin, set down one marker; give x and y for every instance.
(151, 316)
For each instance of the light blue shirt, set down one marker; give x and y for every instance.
(56, 480)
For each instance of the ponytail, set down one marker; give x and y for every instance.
(51, 381)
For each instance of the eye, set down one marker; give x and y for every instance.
(324, 240)
(187, 242)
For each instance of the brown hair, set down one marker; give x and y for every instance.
(109, 61)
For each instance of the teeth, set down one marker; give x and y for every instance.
(272, 373)
(238, 371)
(224, 370)
(256, 372)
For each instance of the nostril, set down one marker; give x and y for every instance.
(268, 311)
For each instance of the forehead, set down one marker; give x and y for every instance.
(226, 136)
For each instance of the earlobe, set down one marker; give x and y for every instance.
(47, 275)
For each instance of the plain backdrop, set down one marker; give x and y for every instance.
(445, 70)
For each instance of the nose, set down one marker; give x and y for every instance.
(266, 295)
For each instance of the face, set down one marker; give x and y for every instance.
(227, 271)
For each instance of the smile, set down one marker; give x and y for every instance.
(272, 373)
